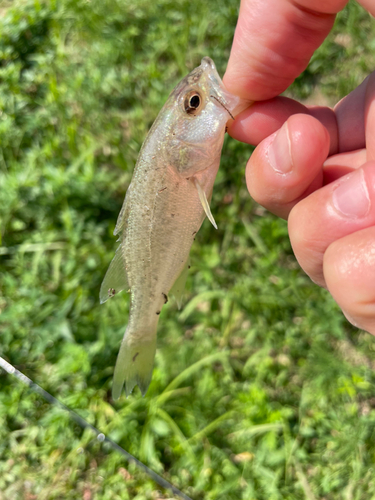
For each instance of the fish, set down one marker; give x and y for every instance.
(164, 207)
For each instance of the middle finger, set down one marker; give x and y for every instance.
(338, 209)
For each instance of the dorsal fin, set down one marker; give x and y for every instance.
(115, 279)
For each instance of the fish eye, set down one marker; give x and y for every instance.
(195, 101)
(192, 103)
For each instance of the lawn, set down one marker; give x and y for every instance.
(261, 389)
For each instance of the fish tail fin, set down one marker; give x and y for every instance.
(134, 363)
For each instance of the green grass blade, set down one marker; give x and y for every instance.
(188, 372)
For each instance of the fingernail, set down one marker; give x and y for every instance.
(279, 151)
(351, 197)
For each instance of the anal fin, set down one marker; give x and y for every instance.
(178, 287)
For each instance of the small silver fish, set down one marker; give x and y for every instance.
(163, 209)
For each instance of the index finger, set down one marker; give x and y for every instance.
(273, 43)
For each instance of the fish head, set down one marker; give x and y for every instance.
(198, 110)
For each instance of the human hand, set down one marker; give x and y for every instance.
(314, 166)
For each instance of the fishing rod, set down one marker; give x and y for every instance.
(100, 436)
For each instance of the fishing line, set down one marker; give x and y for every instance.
(102, 438)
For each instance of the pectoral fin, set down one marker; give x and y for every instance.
(178, 287)
(204, 201)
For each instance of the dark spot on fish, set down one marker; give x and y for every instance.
(111, 292)
(172, 215)
(165, 298)
(195, 75)
(194, 233)
(163, 189)
(157, 313)
(135, 356)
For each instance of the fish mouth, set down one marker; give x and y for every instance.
(223, 105)
(231, 103)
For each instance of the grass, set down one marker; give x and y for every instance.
(261, 389)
